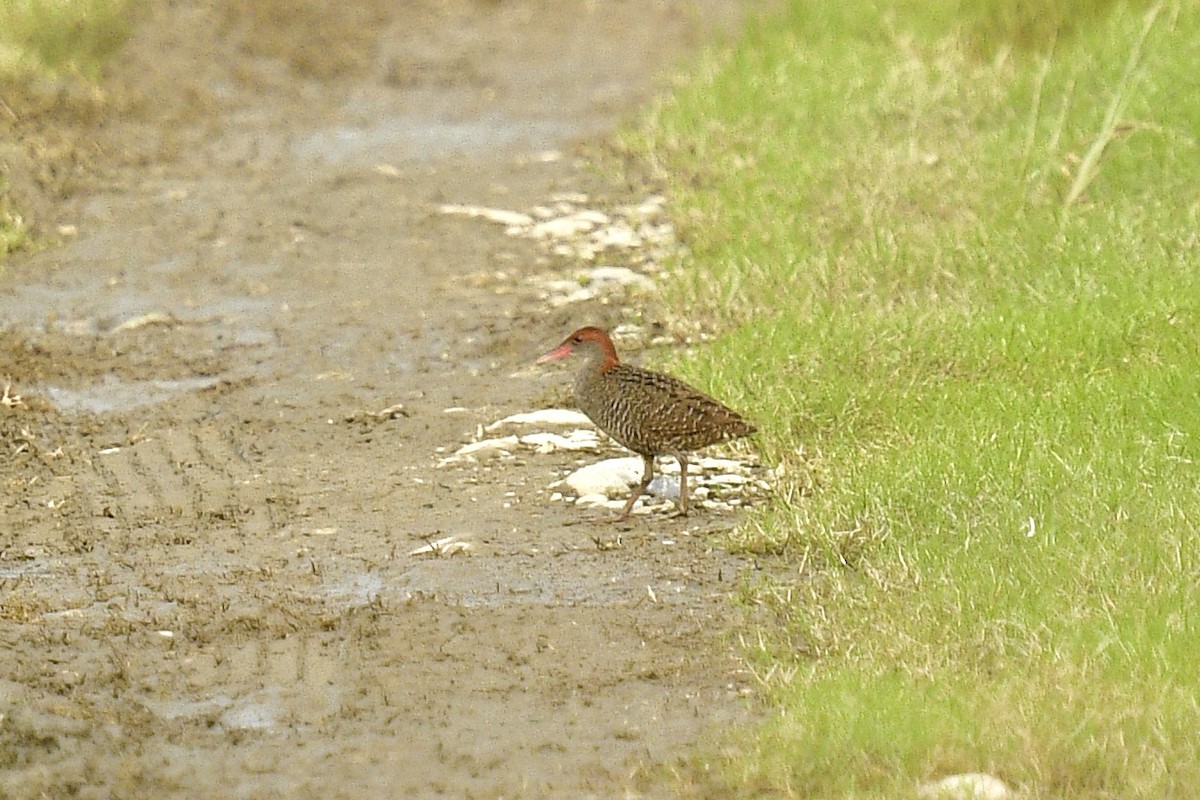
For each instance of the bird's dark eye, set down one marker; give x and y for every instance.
(577, 340)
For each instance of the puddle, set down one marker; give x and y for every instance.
(116, 395)
(271, 709)
(25, 569)
(355, 590)
(407, 136)
(538, 581)
(261, 714)
(252, 715)
(187, 709)
(260, 711)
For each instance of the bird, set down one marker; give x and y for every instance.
(647, 412)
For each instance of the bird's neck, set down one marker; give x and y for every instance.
(598, 363)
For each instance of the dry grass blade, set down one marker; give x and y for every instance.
(1089, 167)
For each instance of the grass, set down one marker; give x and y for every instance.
(961, 286)
(46, 45)
(13, 234)
(58, 37)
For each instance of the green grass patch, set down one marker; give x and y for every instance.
(56, 37)
(52, 53)
(963, 292)
(13, 234)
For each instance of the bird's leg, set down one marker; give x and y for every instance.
(647, 476)
(683, 465)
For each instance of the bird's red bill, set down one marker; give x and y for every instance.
(562, 351)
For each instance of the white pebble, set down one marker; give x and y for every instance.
(662, 486)
(608, 477)
(592, 216)
(727, 479)
(722, 464)
(546, 416)
(499, 215)
(561, 228)
(550, 442)
(618, 235)
(622, 276)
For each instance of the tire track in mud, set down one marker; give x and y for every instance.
(242, 591)
(179, 482)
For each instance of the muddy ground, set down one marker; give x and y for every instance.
(206, 580)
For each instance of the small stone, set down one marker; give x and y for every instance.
(592, 216)
(484, 449)
(498, 215)
(652, 205)
(622, 276)
(561, 228)
(604, 478)
(551, 442)
(722, 464)
(547, 416)
(561, 286)
(728, 479)
(663, 486)
(616, 236)
(579, 198)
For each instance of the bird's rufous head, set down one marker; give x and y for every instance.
(590, 342)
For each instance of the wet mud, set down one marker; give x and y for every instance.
(229, 393)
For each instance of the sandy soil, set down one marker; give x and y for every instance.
(206, 586)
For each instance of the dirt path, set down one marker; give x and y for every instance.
(206, 580)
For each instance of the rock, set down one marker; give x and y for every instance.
(613, 476)
(579, 198)
(561, 286)
(663, 234)
(967, 786)
(592, 216)
(651, 206)
(619, 235)
(727, 479)
(663, 486)
(485, 448)
(578, 296)
(621, 276)
(595, 500)
(549, 417)
(498, 215)
(574, 442)
(561, 228)
(722, 464)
